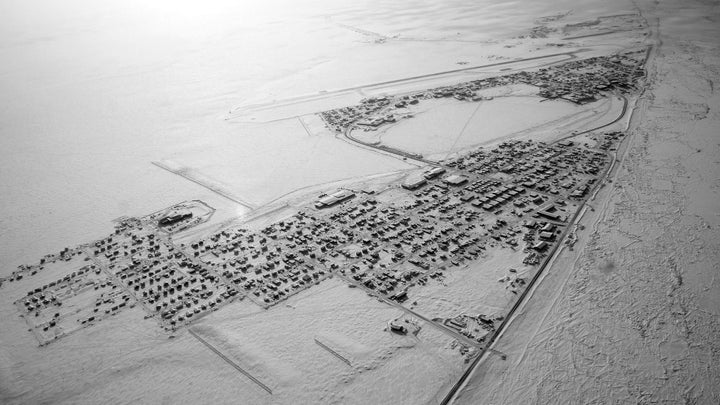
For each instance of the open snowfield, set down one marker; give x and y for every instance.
(263, 162)
(280, 347)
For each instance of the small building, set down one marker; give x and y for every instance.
(434, 172)
(508, 168)
(414, 183)
(456, 323)
(546, 236)
(174, 217)
(372, 122)
(455, 180)
(400, 296)
(549, 215)
(580, 191)
(334, 198)
(397, 328)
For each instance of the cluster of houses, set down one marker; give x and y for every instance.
(92, 297)
(135, 264)
(365, 113)
(477, 327)
(170, 285)
(517, 190)
(557, 170)
(579, 81)
(582, 81)
(273, 263)
(65, 255)
(518, 195)
(608, 140)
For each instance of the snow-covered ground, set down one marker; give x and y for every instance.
(93, 92)
(633, 314)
